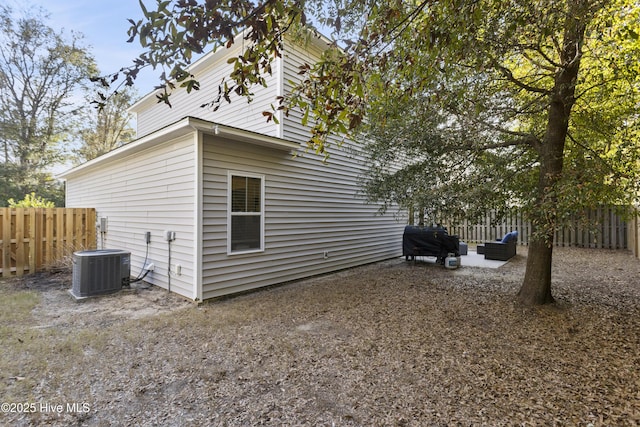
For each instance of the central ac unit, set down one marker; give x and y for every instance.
(100, 272)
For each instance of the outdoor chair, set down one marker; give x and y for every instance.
(501, 250)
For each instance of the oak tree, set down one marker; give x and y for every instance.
(40, 71)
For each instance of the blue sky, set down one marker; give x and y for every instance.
(104, 25)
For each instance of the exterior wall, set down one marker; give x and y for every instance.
(152, 116)
(152, 190)
(310, 208)
(295, 56)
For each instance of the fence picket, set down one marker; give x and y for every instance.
(610, 230)
(6, 244)
(35, 245)
(49, 227)
(58, 240)
(33, 238)
(19, 239)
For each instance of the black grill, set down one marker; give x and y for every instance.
(429, 241)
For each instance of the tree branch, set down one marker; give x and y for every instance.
(597, 156)
(509, 75)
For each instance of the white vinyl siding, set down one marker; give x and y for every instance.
(152, 116)
(314, 220)
(151, 190)
(295, 56)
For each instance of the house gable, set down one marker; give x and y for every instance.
(211, 70)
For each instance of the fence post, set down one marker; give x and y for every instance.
(91, 229)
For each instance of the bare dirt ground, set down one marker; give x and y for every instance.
(392, 343)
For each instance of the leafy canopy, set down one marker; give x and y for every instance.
(471, 116)
(41, 71)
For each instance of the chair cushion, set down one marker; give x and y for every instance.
(510, 237)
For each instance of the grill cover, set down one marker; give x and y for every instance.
(429, 241)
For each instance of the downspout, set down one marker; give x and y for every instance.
(280, 90)
(198, 214)
(197, 206)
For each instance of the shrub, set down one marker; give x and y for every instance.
(31, 201)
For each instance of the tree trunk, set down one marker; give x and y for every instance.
(536, 287)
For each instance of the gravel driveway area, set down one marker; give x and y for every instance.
(394, 343)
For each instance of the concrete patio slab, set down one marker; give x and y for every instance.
(472, 259)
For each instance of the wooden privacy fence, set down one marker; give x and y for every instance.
(33, 238)
(607, 229)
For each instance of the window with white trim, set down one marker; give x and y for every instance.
(246, 212)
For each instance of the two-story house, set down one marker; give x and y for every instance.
(248, 207)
